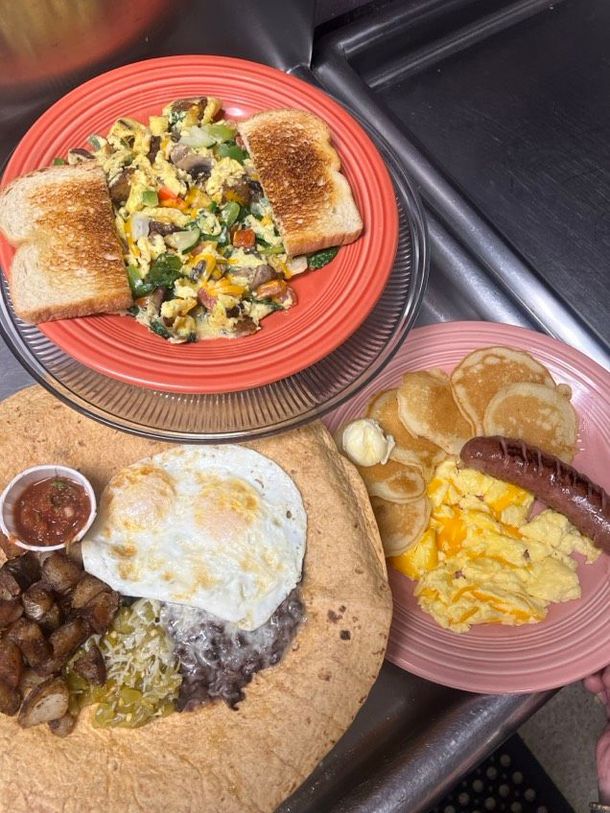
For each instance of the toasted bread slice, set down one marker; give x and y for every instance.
(69, 260)
(299, 171)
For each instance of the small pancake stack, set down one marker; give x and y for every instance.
(431, 415)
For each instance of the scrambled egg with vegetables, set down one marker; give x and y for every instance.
(203, 254)
(480, 561)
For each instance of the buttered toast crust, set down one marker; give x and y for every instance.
(299, 171)
(69, 257)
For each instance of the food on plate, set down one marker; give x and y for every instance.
(469, 540)
(551, 480)
(365, 442)
(131, 674)
(536, 414)
(51, 511)
(393, 481)
(218, 658)
(69, 258)
(170, 221)
(481, 561)
(427, 408)
(213, 699)
(401, 524)
(408, 449)
(49, 628)
(300, 174)
(482, 373)
(221, 528)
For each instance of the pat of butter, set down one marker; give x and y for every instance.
(365, 442)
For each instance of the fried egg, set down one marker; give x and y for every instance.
(481, 560)
(221, 528)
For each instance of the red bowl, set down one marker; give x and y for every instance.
(332, 302)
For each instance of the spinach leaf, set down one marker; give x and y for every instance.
(138, 286)
(159, 328)
(165, 270)
(321, 258)
(230, 150)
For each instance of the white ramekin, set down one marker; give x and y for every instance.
(17, 486)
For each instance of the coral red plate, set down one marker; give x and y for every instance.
(332, 302)
(574, 639)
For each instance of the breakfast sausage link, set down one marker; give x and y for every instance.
(551, 480)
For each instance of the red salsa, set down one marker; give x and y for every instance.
(51, 511)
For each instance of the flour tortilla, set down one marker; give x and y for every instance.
(214, 759)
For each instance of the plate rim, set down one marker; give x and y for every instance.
(258, 374)
(593, 370)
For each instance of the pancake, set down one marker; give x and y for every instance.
(401, 524)
(392, 481)
(537, 414)
(482, 373)
(215, 758)
(409, 449)
(428, 409)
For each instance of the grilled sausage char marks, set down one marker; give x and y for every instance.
(553, 482)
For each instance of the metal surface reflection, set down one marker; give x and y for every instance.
(47, 47)
(43, 41)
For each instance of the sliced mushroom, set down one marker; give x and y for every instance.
(120, 186)
(157, 227)
(155, 145)
(182, 105)
(60, 572)
(10, 610)
(11, 663)
(30, 640)
(90, 665)
(10, 699)
(198, 166)
(101, 610)
(63, 725)
(47, 701)
(87, 588)
(67, 638)
(257, 275)
(77, 155)
(37, 600)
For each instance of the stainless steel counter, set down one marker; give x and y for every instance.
(412, 739)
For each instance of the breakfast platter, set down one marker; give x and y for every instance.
(330, 306)
(173, 410)
(207, 251)
(293, 712)
(573, 640)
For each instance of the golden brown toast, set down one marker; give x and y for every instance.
(69, 258)
(299, 171)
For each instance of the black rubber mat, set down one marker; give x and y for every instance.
(511, 780)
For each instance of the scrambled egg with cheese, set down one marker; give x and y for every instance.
(481, 561)
(203, 254)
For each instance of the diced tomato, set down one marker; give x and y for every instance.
(244, 238)
(207, 300)
(167, 194)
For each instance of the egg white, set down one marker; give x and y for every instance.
(221, 528)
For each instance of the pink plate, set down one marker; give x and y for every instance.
(574, 639)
